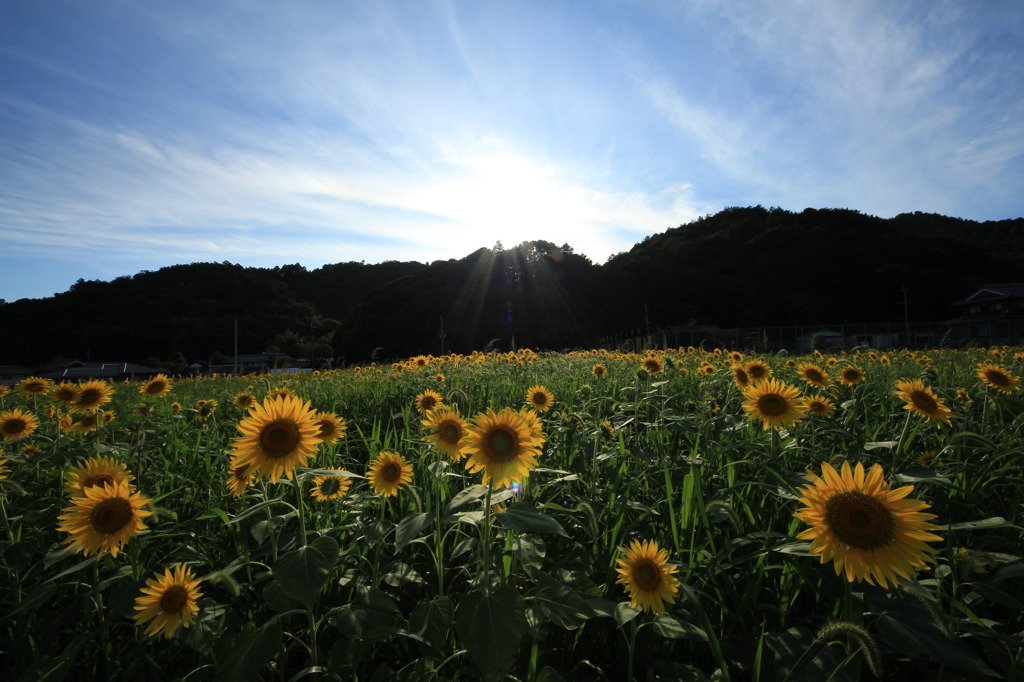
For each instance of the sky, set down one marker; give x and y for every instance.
(138, 135)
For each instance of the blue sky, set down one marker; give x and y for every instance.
(136, 135)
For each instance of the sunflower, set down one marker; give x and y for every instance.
(503, 445)
(278, 435)
(176, 406)
(205, 408)
(168, 600)
(157, 387)
(813, 375)
(65, 393)
(17, 423)
(758, 370)
(539, 398)
(922, 400)
(389, 472)
(851, 375)
(33, 386)
(280, 392)
(653, 364)
(868, 531)
(998, 378)
(963, 396)
(736, 356)
(740, 376)
(104, 518)
(427, 401)
(332, 427)
(97, 470)
(439, 378)
(775, 402)
(330, 487)
(244, 400)
(820, 405)
(446, 430)
(92, 395)
(599, 370)
(86, 424)
(240, 479)
(534, 423)
(644, 570)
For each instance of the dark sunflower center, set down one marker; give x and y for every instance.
(65, 396)
(391, 472)
(997, 379)
(815, 376)
(646, 575)
(818, 407)
(859, 520)
(755, 372)
(330, 486)
(156, 387)
(450, 433)
(326, 429)
(35, 388)
(111, 515)
(15, 425)
(742, 376)
(97, 479)
(279, 438)
(174, 599)
(89, 396)
(923, 401)
(501, 445)
(540, 399)
(428, 403)
(772, 405)
(241, 473)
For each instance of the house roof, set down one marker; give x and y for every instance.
(101, 370)
(992, 292)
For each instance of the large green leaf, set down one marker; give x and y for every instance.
(525, 517)
(410, 527)
(489, 627)
(302, 573)
(250, 653)
(560, 603)
(431, 620)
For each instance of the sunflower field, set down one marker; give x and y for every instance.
(676, 514)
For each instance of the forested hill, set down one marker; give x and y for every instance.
(739, 267)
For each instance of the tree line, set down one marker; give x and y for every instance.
(747, 266)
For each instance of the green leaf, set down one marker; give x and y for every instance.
(530, 551)
(560, 603)
(431, 621)
(670, 627)
(624, 613)
(884, 444)
(302, 573)
(255, 508)
(371, 613)
(996, 595)
(490, 626)
(410, 527)
(250, 653)
(994, 522)
(464, 497)
(525, 517)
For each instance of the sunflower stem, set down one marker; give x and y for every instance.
(903, 435)
(300, 509)
(485, 541)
